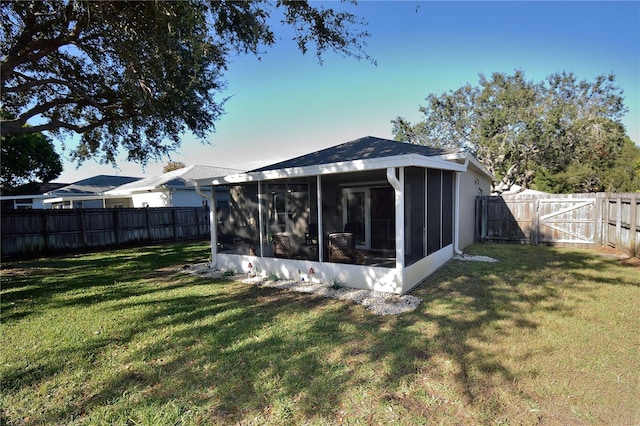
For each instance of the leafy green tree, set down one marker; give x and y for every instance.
(135, 75)
(27, 158)
(524, 131)
(621, 174)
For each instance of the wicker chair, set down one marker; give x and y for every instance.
(342, 247)
(281, 246)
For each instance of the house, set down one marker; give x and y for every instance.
(173, 189)
(372, 213)
(28, 196)
(88, 193)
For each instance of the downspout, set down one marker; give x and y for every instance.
(393, 180)
(213, 229)
(456, 239)
(399, 208)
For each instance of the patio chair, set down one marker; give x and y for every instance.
(342, 247)
(281, 246)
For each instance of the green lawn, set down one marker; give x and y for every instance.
(545, 336)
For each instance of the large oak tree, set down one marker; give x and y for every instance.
(522, 130)
(135, 75)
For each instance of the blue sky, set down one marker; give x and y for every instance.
(285, 104)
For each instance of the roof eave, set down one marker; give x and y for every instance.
(405, 160)
(463, 156)
(81, 197)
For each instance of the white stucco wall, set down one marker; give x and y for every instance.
(472, 184)
(153, 199)
(388, 280)
(186, 198)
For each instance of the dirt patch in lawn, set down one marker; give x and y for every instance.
(622, 256)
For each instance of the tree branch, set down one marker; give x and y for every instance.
(14, 127)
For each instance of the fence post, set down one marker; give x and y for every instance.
(196, 234)
(597, 224)
(605, 221)
(146, 215)
(535, 220)
(174, 220)
(82, 229)
(483, 218)
(633, 224)
(116, 225)
(618, 222)
(45, 230)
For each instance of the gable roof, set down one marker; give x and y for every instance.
(180, 178)
(368, 147)
(367, 153)
(93, 186)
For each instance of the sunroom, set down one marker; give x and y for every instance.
(373, 213)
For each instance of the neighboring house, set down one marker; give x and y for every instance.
(372, 213)
(174, 189)
(29, 196)
(89, 193)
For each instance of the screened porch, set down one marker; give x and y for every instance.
(356, 223)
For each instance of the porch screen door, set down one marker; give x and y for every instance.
(356, 215)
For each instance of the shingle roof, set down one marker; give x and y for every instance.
(34, 188)
(360, 149)
(176, 178)
(93, 185)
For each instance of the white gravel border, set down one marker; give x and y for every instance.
(469, 257)
(378, 303)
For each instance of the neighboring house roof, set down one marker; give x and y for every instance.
(180, 178)
(367, 153)
(34, 188)
(95, 185)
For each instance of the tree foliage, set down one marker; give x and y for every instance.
(530, 134)
(173, 165)
(134, 75)
(27, 158)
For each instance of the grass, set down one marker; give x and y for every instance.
(545, 336)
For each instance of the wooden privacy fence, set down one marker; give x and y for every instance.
(578, 220)
(28, 233)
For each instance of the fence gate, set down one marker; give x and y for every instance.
(566, 221)
(579, 220)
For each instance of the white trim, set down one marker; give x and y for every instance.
(470, 159)
(261, 226)
(406, 160)
(456, 216)
(81, 198)
(319, 221)
(346, 192)
(417, 272)
(398, 187)
(388, 280)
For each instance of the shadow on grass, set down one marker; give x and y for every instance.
(27, 286)
(236, 351)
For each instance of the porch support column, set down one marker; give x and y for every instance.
(260, 228)
(456, 217)
(213, 220)
(398, 186)
(320, 227)
(213, 228)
